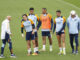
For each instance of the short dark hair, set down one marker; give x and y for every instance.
(44, 8)
(24, 15)
(31, 8)
(58, 11)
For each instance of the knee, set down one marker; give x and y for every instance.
(10, 44)
(63, 41)
(3, 45)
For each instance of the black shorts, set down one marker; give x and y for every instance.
(7, 38)
(59, 33)
(35, 34)
(46, 33)
(29, 36)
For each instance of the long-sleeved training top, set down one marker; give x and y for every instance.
(5, 28)
(35, 19)
(73, 25)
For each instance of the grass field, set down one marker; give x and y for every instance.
(16, 8)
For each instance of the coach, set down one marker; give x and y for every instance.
(73, 24)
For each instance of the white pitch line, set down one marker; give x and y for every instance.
(69, 4)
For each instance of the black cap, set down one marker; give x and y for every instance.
(44, 8)
(58, 11)
(31, 8)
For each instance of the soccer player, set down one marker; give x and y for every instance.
(46, 22)
(5, 36)
(29, 27)
(59, 26)
(35, 19)
(73, 23)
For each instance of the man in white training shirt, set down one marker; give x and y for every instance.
(5, 36)
(73, 23)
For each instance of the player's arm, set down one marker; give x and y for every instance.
(79, 24)
(37, 18)
(64, 24)
(8, 29)
(68, 23)
(33, 26)
(39, 24)
(51, 21)
(54, 26)
(22, 27)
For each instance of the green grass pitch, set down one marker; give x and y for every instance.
(16, 8)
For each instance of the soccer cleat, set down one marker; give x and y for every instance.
(37, 52)
(28, 54)
(64, 53)
(73, 52)
(43, 50)
(76, 52)
(60, 53)
(2, 56)
(34, 54)
(13, 56)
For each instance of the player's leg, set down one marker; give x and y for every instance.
(71, 42)
(10, 48)
(59, 43)
(36, 42)
(43, 41)
(63, 40)
(34, 45)
(10, 45)
(50, 40)
(29, 47)
(28, 40)
(76, 41)
(2, 48)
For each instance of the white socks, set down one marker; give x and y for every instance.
(43, 47)
(29, 50)
(60, 49)
(36, 48)
(64, 51)
(50, 47)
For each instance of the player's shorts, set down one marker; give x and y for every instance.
(29, 36)
(35, 34)
(7, 38)
(59, 33)
(46, 33)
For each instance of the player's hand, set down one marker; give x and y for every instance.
(10, 34)
(50, 30)
(53, 32)
(22, 35)
(32, 32)
(36, 28)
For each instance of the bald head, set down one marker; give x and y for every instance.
(8, 17)
(73, 13)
